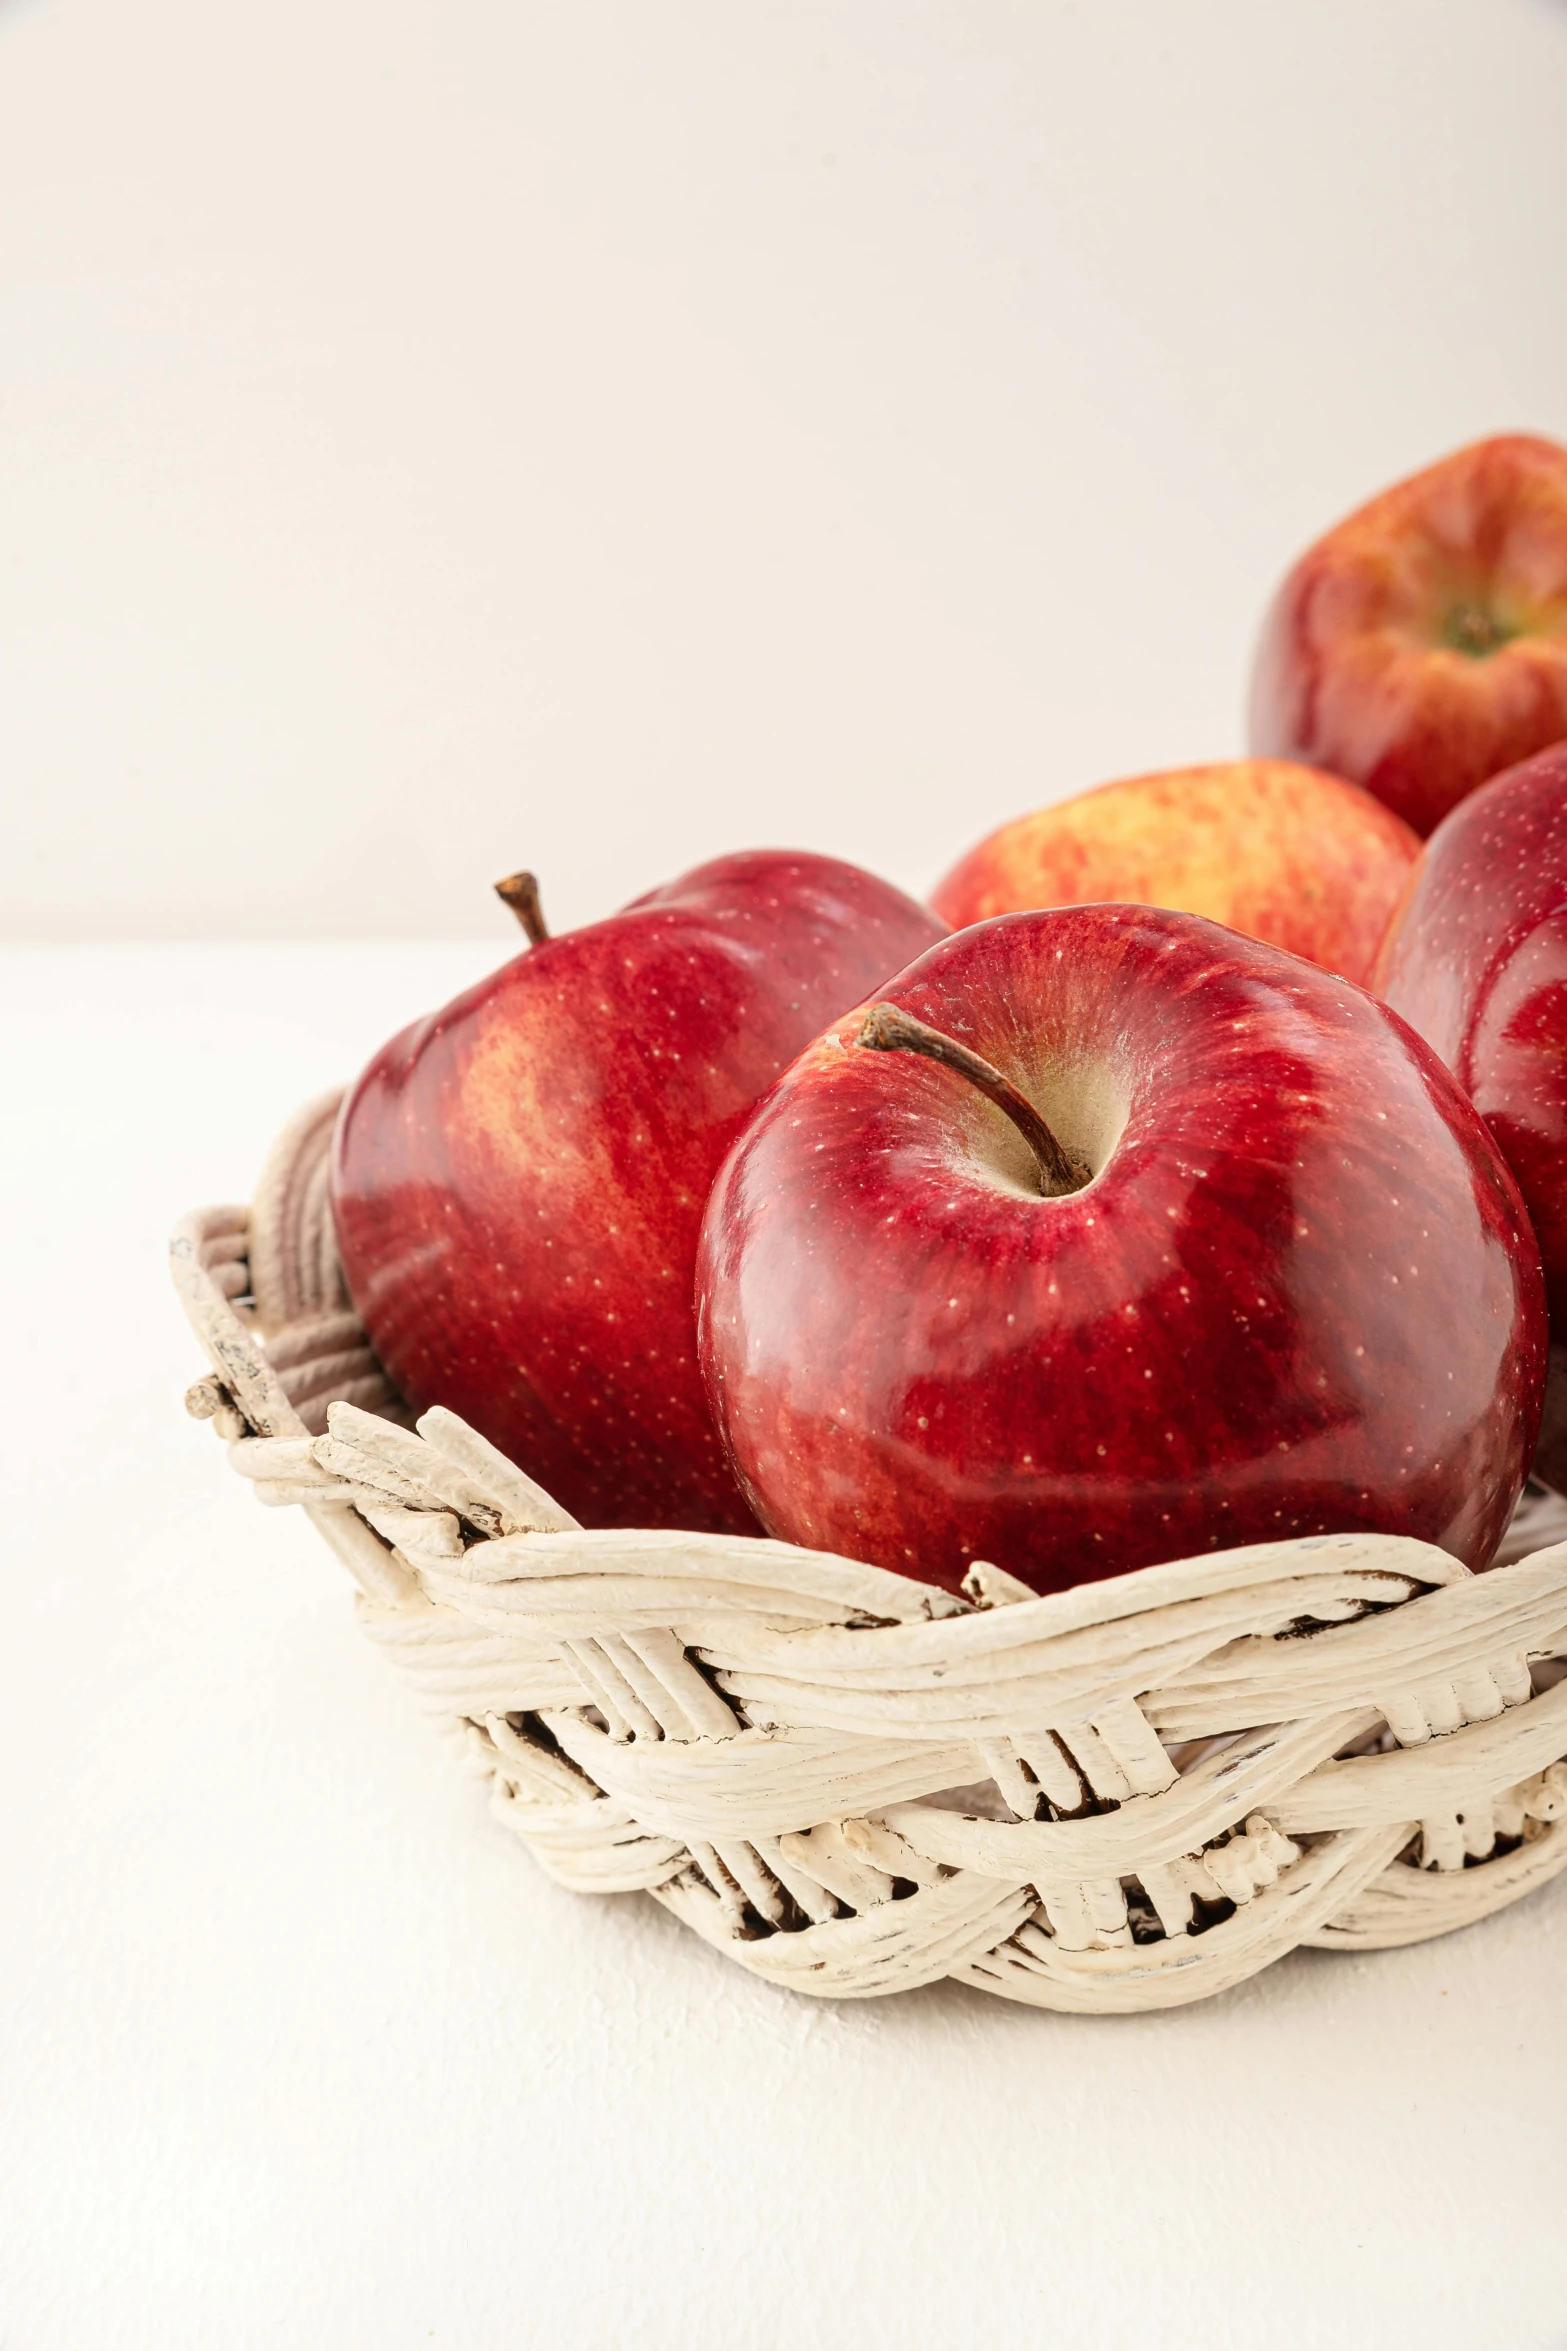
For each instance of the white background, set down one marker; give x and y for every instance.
(434, 438)
(595, 434)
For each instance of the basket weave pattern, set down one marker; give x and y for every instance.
(1125, 1796)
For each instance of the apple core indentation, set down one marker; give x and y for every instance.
(1475, 630)
(886, 1028)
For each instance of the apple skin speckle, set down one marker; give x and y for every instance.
(1476, 962)
(1279, 851)
(1357, 668)
(518, 1182)
(1278, 1380)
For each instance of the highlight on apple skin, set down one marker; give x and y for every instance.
(1282, 852)
(1477, 962)
(518, 1180)
(1298, 1292)
(1421, 645)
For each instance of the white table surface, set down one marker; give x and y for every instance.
(298, 2048)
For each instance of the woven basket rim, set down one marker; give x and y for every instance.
(1129, 1794)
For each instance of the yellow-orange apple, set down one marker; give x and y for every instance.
(1421, 646)
(1284, 853)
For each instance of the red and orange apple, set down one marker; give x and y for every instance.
(1284, 853)
(1421, 645)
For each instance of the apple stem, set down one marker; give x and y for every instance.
(520, 891)
(886, 1029)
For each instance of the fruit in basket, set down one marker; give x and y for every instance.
(1477, 962)
(1281, 852)
(1144, 1239)
(1422, 644)
(518, 1180)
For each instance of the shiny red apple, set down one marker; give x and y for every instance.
(1476, 960)
(1278, 1281)
(518, 1181)
(1421, 645)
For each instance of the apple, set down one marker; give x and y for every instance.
(1109, 1236)
(518, 1180)
(1422, 644)
(1281, 852)
(1476, 960)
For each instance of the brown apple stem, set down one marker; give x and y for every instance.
(520, 891)
(887, 1030)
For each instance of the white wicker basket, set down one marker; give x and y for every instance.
(1120, 1797)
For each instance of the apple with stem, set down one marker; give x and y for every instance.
(1108, 1236)
(1421, 645)
(1477, 962)
(1279, 851)
(518, 1180)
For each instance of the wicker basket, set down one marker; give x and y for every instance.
(1121, 1797)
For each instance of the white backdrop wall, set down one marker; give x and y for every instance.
(595, 435)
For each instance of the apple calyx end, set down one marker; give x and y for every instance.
(520, 891)
(886, 1028)
(1477, 631)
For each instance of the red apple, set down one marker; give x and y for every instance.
(1477, 962)
(1422, 644)
(518, 1180)
(1281, 852)
(1282, 1284)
